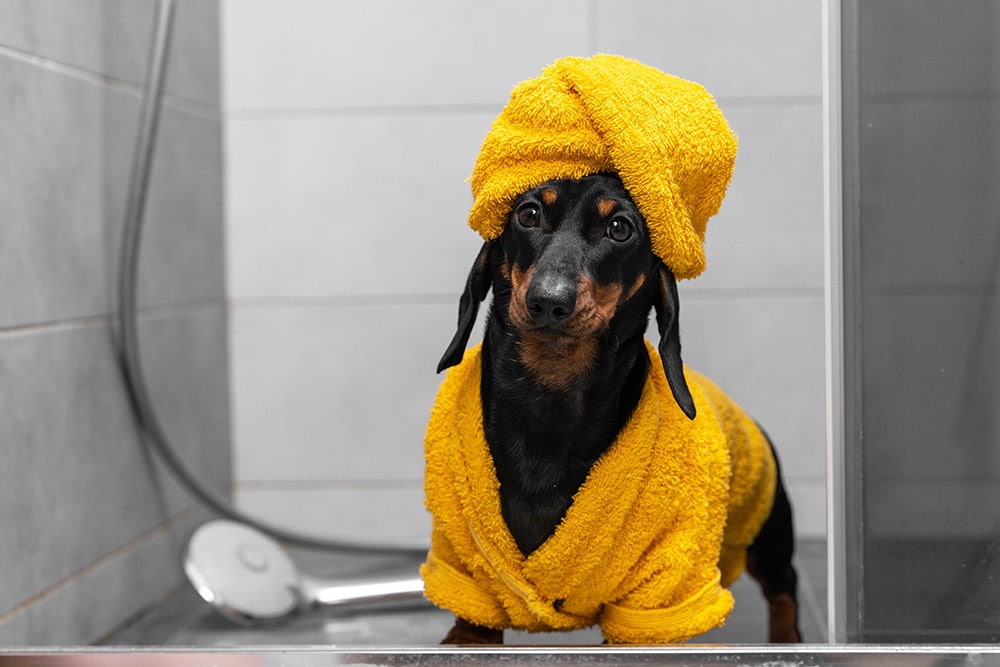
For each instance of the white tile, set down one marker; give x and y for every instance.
(292, 181)
(338, 205)
(335, 391)
(735, 49)
(808, 499)
(767, 354)
(281, 54)
(383, 516)
(769, 231)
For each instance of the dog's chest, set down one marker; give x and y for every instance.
(540, 472)
(544, 443)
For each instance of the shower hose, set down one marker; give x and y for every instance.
(126, 337)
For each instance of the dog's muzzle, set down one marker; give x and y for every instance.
(550, 299)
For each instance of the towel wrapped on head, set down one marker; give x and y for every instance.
(664, 136)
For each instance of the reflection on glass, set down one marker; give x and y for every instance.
(925, 111)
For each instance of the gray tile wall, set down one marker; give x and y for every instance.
(351, 127)
(92, 527)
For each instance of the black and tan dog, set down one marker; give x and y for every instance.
(564, 362)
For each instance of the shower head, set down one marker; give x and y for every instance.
(249, 578)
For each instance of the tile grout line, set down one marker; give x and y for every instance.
(294, 486)
(367, 111)
(321, 112)
(147, 312)
(54, 325)
(343, 300)
(132, 544)
(171, 100)
(70, 70)
(291, 301)
(194, 614)
(696, 293)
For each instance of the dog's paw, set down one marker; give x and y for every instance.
(464, 632)
(783, 612)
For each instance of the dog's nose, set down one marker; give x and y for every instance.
(551, 299)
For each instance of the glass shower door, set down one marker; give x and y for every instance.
(920, 528)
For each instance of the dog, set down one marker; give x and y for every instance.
(564, 362)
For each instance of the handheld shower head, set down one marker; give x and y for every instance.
(249, 578)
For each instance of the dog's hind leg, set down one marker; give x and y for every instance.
(769, 562)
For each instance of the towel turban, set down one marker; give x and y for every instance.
(665, 138)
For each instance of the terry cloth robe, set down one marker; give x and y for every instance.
(644, 550)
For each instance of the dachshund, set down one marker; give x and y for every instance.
(564, 362)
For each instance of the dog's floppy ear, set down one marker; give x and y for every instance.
(668, 320)
(477, 286)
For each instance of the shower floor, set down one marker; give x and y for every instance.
(183, 620)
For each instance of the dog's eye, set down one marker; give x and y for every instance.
(620, 230)
(529, 215)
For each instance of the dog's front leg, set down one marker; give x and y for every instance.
(464, 632)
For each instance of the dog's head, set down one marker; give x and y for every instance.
(573, 261)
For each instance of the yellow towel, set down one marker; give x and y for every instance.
(664, 136)
(644, 550)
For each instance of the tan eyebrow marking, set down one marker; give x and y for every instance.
(635, 287)
(605, 206)
(548, 196)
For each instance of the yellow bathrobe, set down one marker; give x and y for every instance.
(658, 529)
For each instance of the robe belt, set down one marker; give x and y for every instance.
(612, 614)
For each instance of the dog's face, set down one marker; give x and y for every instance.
(573, 256)
(574, 251)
